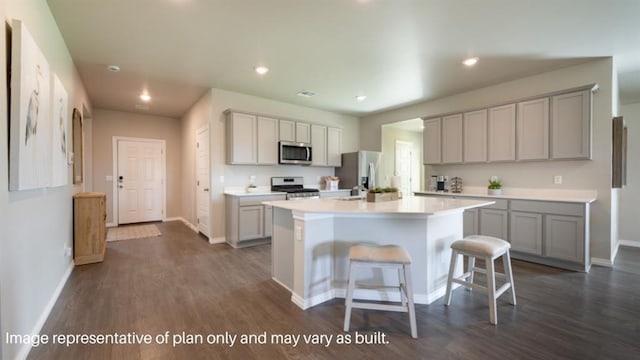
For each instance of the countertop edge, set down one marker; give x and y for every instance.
(584, 200)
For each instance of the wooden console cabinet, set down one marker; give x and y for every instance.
(89, 227)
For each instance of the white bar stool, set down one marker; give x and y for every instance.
(489, 248)
(389, 256)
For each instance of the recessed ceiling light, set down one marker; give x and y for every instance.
(361, 98)
(470, 61)
(145, 97)
(113, 68)
(262, 70)
(306, 93)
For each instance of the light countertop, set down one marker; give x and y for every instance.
(408, 205)
(577, 196)
(265, 191)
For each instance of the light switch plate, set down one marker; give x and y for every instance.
(557, 180)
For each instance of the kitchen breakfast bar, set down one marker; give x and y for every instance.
(311, 240)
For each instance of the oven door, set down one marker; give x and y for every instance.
(295, 153)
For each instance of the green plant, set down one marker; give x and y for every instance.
(251, 186)
(495, 184)
(379, 190)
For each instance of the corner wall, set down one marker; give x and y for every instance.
(36, 225)
(629, 195)
(594, 174)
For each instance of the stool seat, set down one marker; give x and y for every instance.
(384, 254)
(481, 245)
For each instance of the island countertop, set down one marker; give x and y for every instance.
(407, 205)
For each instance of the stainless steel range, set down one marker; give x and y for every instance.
(294, 187)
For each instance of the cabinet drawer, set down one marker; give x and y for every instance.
(258, 199)
(501, 204)
(548, 207)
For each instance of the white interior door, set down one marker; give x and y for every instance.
(140, 172)
(404, 166)
(202, 180)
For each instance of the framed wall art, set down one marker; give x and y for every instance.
(60, 131)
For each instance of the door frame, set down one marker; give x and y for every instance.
(114, 178)
(197, 132)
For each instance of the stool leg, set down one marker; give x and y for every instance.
(411, 308)
(506, 261)
(471, 263)
(491, 290)
(452, 266)
(403, 287)
(349, 298)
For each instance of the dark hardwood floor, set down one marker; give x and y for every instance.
(178, 282)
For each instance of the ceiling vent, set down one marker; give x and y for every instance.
(142, 107)
(306, 93)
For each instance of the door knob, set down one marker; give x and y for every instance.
(206, 189)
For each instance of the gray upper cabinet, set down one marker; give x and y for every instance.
(334, 147)
(533, 129)
(267, 140)
(319, 145)
(452, 139)
(502, 133)
(242, 135)
(303, 132)
(475, 136)
(571, 125)
(431, 141)
(287, 130)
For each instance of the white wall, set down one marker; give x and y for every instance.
(629, 195)
(594, 174)
(36, 224)
(238, 175)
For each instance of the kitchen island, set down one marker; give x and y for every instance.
(311, 241)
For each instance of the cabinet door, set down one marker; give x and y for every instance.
(287, 130)
(250, 222)
(267, 140)
(571, 126)
(452, 139)
(475, 136)
(319, 145)
(431, 141)
(494, 223)
(526, 232)
(334, 147)
(470, 221)
(533, 129)
(303, 132)
(268, 220)
(564, 237)
(502, 133)
(243, 139)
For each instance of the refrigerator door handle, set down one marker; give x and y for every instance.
(372, 176)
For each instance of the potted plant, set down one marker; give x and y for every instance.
(252, 188)
(495, 186)
(382, 194)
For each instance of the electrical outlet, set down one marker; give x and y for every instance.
(252, 179)
(557, 180)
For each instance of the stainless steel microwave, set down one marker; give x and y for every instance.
(295, 153)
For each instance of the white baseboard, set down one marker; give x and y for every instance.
(601, 262)
(175, 218)
(217, 240)
(304, 304)
(24, 351)
(189, 225)
(281, 284)
(111, 225)
(631, 243)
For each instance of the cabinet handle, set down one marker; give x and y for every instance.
(206, 189)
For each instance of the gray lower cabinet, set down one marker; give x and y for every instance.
(548, 232)
(494, 223)
(564, 237)
(526, 232)
(248, 221)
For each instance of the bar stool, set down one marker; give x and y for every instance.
(489, 248)
(388, 256)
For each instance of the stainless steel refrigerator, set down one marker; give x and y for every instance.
(360, 169)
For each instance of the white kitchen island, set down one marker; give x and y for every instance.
(311, 241)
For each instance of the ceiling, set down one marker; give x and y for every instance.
(395, 52)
